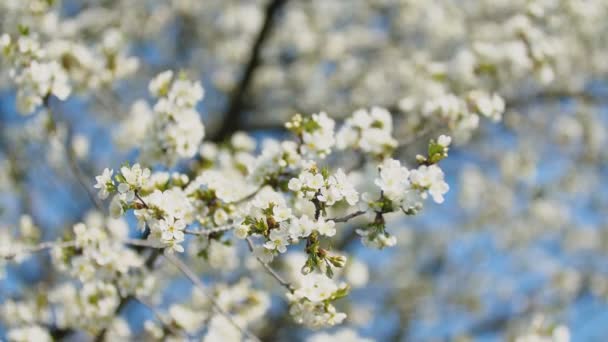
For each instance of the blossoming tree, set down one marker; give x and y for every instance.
(260, 149)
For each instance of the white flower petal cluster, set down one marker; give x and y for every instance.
(222, 256)
(370, 131)
(396, 181)
(220, 329)
(90, 307)
(462, 115)
(227, 185)
(316, 133)
(377, 240)
(119, 330)
(93, 66)
(276, 157)
(246, 305)
(167, 215)
(314, 315)
(315, 287)
(130, 180)
(29, 333)
(268, 199)
(278, 240)
(176, 131)
(318, 57)
(431, 179)
(102, 254)
(335, 188)
(299, 228)
(321, 139)
(105, 184)
(38, 80)
(170, 232)
(99, 299)
(35, 75)
(133, 179)
(490, 106)
(312, 291)
(133, 129)
(542, 329)
(24, 312)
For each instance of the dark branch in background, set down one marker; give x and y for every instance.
(231, 122)
(128, 299)
(232, 118)
(587, 97)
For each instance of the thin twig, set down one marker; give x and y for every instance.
(209, 231)
(199, 284)
(271, 271)
(248, 197)
(141, 200)
(71, 157)
(347, 217)
(167, 326)
(40, 247)
(143, 243)
(79, 174)
(72, 243)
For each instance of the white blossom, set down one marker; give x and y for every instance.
(105, 184)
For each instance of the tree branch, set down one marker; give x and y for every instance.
(347, 217)
(198, 284)
(270, 271)
(204, 232)
(232, 118)
(73, 163)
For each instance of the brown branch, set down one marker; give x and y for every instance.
(556, 95)
(39, 248)
(232, 118)
(347, 217)
(270, 271)
(71, 157)
(79, 174)
(199, 285)
(209, 231)
(168, 327)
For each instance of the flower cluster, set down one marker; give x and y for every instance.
(165, 213)
(98, 65)
(176, 130)
(542, 329)
(462, 115)
(277, 160)
(390, 72)
(29, 333)
(36, 76)
(369, 131)
(98, 253)
(245, 303)
(405, 187)
(315, 132)
(313, 184)
(310, 304)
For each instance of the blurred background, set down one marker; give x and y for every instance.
(519, 245)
